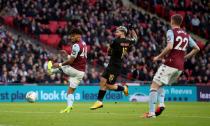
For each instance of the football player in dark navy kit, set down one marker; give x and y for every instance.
(117, 51)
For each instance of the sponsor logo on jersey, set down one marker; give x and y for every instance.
(124, 44)
(111, 77)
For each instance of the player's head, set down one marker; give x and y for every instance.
(176, 20)
(121, 31)
(75, 35)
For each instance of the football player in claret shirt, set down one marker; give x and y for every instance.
(74, 67)
(174, 55)
(117, 51)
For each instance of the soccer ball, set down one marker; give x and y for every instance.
(31, 96)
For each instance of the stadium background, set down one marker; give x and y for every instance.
(33, 31)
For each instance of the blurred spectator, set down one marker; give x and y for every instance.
(195, 21)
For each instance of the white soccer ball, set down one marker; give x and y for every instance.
(31, 96)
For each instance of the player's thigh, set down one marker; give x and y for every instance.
(154, 86)
(111, 86)
(175, 76)
(103, 81)
(70, 71)
(164, 75)
(110, 75)
(75, 81)
(71, 90)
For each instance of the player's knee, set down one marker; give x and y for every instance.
(109, 86)
(102, 82)
(154, 86)
(71, 90)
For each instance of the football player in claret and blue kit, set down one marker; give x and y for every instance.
(174, 55)
(74, 67)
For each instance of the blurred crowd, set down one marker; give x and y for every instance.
(97, 19)
(195, 12)
(22, 62)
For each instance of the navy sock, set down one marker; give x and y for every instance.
(101, 95)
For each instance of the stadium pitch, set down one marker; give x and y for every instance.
(113, 114)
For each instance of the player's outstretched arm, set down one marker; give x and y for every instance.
(67, 62)
(71, 58)
(133, 36)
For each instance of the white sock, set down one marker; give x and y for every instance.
(152, 101)
(152, 113)
(161, 97)
(70, 100)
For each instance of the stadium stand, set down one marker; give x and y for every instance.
(22, 62)
(50, 21)
(195, 12)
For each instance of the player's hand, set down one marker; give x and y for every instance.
(133, 33)
(56, 65)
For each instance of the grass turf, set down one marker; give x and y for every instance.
(113, 114)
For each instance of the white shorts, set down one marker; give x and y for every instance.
(75, 76)
(166, 75)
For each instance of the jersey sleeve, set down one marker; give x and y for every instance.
(170, 36)
(192, 43)
(75, 50)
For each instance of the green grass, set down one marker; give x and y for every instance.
(119, 114)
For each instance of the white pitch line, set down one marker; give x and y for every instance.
(26, 112)
(187, 116)
(7, 125)
(176, 116)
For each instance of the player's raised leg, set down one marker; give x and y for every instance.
(51, 70)
(111, 78)
(49, 67)
(124, 88)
